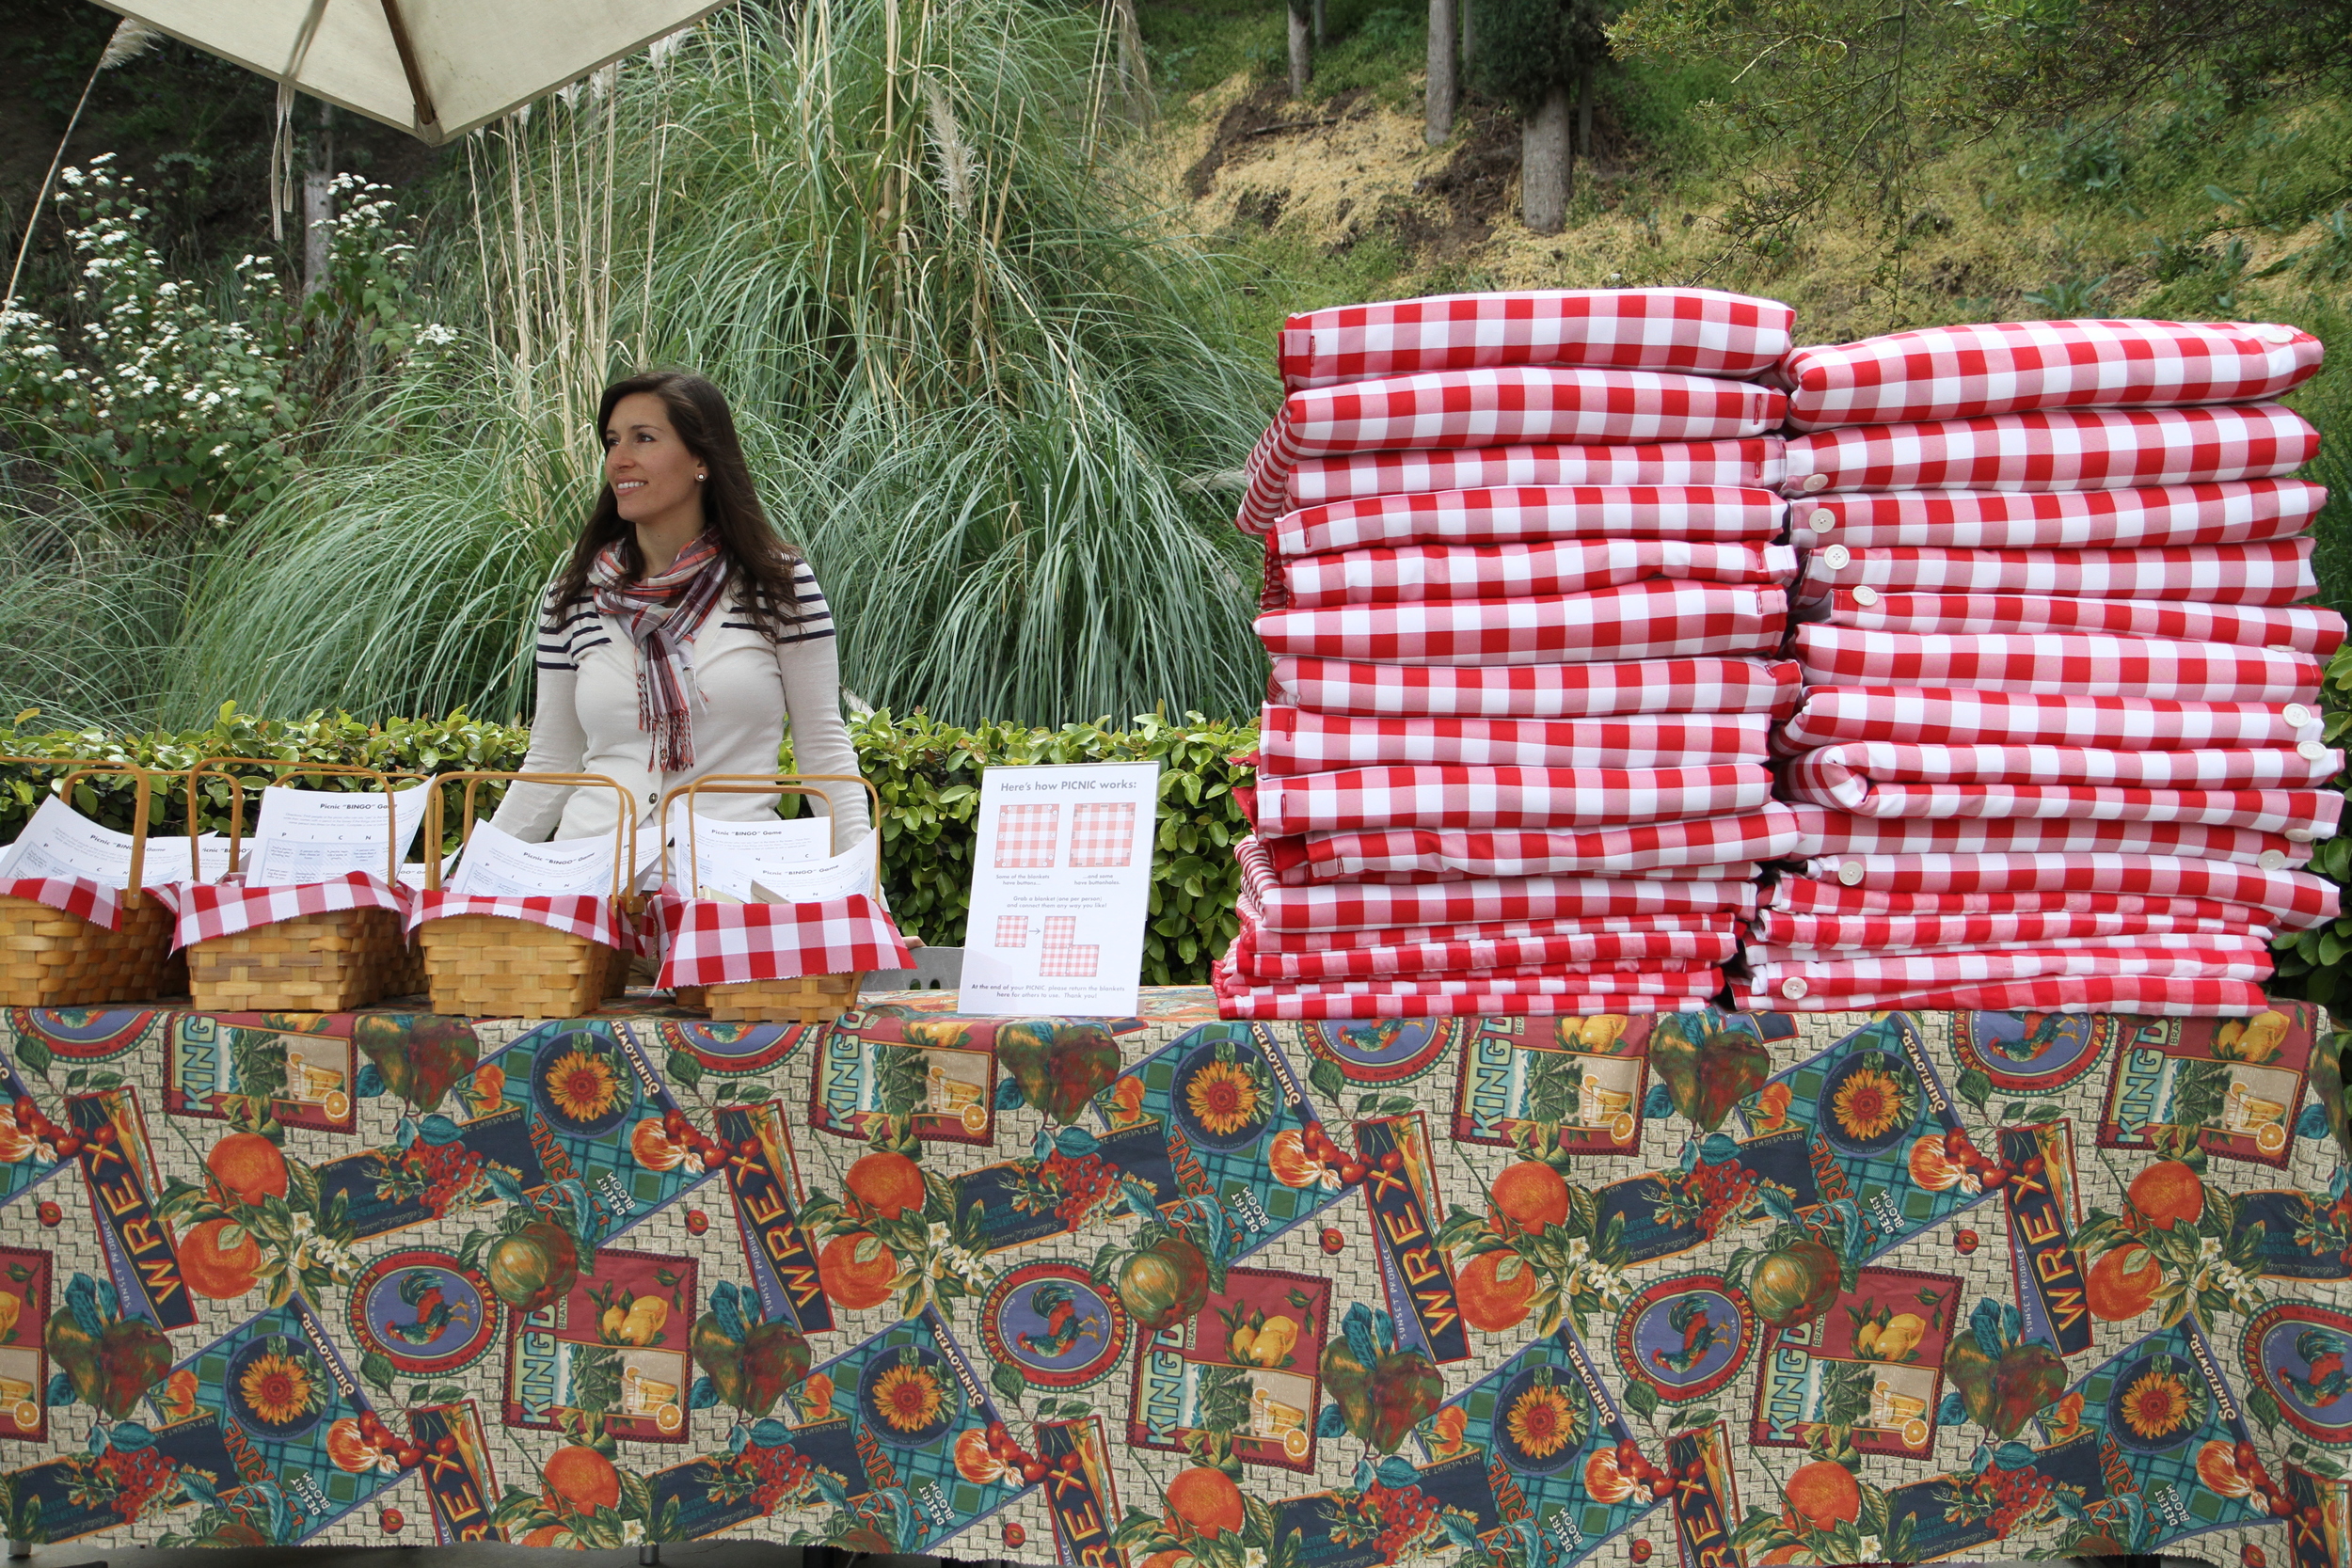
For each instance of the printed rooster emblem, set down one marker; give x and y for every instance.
(1372, 1038)
(2026, 1048)
(1688, 1317)
(434, 1312)
(1064, 1326)
(2328, 1380)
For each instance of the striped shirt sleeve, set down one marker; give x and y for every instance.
(566, 632)
(810, 621)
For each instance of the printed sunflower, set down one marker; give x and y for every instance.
(1224, 1097)
(1541, 1421)
(908, 1397)
(282, 1385)
(584, 1085)
(2160, 1402)
(1870, 1103)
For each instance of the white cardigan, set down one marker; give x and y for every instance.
(748, 688)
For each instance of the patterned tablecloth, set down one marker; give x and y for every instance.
(1719, 1289)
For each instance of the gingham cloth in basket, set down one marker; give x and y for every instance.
(1826, 835)
(2074, 664)
(580, 913)
(1943, 372)
(1514, 406)
(2159, 996)
(1887, 933)
(209, 910)
(1293, 740)
(1751, 464)
(75, 896)
(2235, 512)
(1671, 686)
(705, 942)
(2296, 898)
(2092, 450)
(1463, 854)
(1676, 932)
(1707, 331)
(1644, 621)
(2304, 628)
(1930, 716)
(1452, 797)
(1529, 513)
(1339, 906)
(2274, 572)
(1392, 574)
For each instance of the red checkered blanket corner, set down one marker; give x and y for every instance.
(582, 915)
(209, 910)
(77, 896)
(707, 943)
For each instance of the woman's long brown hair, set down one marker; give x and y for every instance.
(731, 510)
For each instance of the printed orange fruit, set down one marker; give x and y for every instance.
(2123, 1283)
(221, 1269)
(2216, 1466)
(1780, 1555)
(348, 1449)
(850, 1282)
(1603, 1481)
(1930, 1167)
(974, 1463)
(650, 1145)
(888, 1184)
(2168, 1192)
(582, 1478)
(1206, 1500)
(248, 1165)
(1824, 1493)
(1287, 1158)
(546, 1535)
(1489, 1301)
(1530, 1195)
(1167, 1560)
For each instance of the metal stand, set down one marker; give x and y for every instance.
(649, 1556)
(19, 1549)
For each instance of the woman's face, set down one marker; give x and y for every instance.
(652, 473)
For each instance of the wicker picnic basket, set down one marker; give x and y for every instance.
(496, 966)
(328, 963)
(806, 998)
(51, 959)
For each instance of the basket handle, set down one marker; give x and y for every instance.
(624, 820)
(236, 804)
(144, 779)
(760, 784)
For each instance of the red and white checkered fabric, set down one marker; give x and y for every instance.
(2304, 628)
(1449, 797)
(1946, 372)
(1392, 574)
(1752, 463)
(1807, 895)
(1930, 717)
(1702, 330)
(2089, 450)
(580, 913)
(1886, 933)
(1253, 959)
(1293, 740)
(1420, 996)
(1825, 833)
(1529, 513)
(1370, 907)
(2276, 572)
(2077, 664)
(76, 895)
(1594, 981)
(2235, 512)
(1677, 686)
(2155, 996)
(1685, 935)
(2297, 899)
(1851, 772)
(1463, 854)
(705, 942)
(1511, 405)
(2196, 944)
(1027, 836)
(209, 910)
(1102, 832)
(1794, 982)
(1644, 621)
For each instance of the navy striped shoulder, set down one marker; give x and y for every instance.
(569, 630)
(811, 618)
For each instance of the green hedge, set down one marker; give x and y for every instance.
(927, 773)
(2313, 963)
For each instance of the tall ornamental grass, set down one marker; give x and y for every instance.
(981, 387)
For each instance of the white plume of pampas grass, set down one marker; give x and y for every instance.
(131, 38)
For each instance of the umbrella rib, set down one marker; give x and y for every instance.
(427, 117)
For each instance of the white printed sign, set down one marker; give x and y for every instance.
(497, 864)
(728, 855)
(315, 835)
(1060, 885)
(61, 842)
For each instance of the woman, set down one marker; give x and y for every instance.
(682, 635)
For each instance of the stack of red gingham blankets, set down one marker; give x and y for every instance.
(2060, 743)
(1525, 604)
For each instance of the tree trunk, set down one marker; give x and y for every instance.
(1544, 164)
(318, 204)
(1135, 71)
(1584, 110)
(1441, 85)
(1302, 55)
(1469, 34)
(1318, 24)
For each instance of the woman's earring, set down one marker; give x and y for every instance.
(699, 478)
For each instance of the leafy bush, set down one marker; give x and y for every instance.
(927, 773)
(2312, 963)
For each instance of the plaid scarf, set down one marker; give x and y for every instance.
(662, 615)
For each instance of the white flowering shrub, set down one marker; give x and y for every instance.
(163, 391)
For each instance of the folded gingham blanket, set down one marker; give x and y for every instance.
(1702, 330)
(2296, 898)
(1674, 685)
(1591, 981)
(1943, 372)
(1794, 982)
(1852, 772)
(1508, 406)
(2274, 572)
(1369, 907)
(1751, 464)
(580, 913)
(1930, 716)
(705, 942)
(1293, 740)
(1808, 896)
(209, 910)
(2055, 452)
(1644, 621)
(2232, 512)
(1822, 834)
(1887, 933)
(1678, 935)
(2303, 628)
(1253, 958)
(2206, 944)
(1453, 796)
(1463, 854)
(1393, 574)
(2152, 995)
(1407, 999)
(2073, 664)
(75, 896)
(1532, 512)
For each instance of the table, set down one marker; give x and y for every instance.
(1714, 1289)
